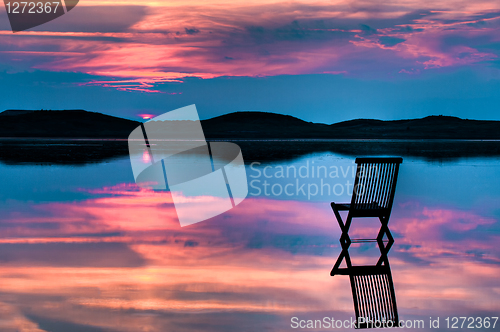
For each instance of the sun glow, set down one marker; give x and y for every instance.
(146, 116)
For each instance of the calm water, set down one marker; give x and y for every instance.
(84, 249)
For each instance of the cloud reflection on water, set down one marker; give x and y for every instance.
(121, 262)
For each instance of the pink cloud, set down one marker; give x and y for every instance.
(262, 40)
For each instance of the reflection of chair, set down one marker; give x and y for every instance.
(373, 295)
(371, 285)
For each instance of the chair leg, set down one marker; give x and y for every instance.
(384, 250)
(345, 242)
(339, 220)
(337, 263)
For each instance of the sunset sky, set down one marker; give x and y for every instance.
(322, 61)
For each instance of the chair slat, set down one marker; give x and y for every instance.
(380, 299)
(381, 172)
(385, 186)
(372, 182)
(387, 297)
(388, 186)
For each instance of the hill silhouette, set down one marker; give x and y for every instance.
(63, 124)
(269, 125)
(245, 125)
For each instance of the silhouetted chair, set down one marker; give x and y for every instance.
(373, 194)
(371, 285)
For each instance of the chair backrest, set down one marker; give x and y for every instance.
(374, 296)
(375, 183)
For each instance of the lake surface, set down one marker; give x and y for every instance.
(82, 248)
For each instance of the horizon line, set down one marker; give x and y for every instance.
(235, 112)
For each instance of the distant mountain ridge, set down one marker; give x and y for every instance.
(248, 125)
(245, 125)
(63, 124)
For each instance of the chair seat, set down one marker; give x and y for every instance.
(363, 270)
(361, 210)
(341, 206)
(371, 270)
(363, 206)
